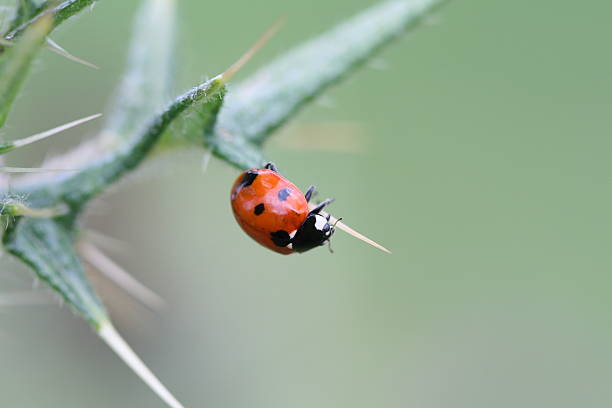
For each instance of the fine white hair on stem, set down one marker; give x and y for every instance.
(115, 273)
(55, 47)
(113, 339)
(47, 133)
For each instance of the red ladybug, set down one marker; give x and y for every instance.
(275, 213)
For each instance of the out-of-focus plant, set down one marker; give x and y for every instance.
(44, 232)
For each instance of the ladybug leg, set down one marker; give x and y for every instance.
(321, 206)
(309, 193)
(271, 166)
(331, 251)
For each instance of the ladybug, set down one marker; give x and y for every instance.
(275, 213)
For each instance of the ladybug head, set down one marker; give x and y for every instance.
(314, 232)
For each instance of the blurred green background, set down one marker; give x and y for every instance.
(476, 148)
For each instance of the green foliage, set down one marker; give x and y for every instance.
(76, 190)
(15, 62)
(233, 127)
(47, 246)
(56, 11)
(252, 112)
(131, 130)
(33, 23)
(15, 206)
(26, 10)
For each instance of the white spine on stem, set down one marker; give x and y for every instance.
(114, 340)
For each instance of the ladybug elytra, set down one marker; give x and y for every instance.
(275, 213)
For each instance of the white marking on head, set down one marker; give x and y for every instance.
(292, 234)
(320, 222)
(290, 245)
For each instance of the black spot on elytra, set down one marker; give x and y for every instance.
(249, 178)
(259, 208)
(283, 194)
(280, 238)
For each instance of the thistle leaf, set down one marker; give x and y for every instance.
(137, 122)
(46, 245)
(26, 9)
(147, 81)
(15, 62)
(198, 120)
(50, 9)
(15, 207)
(100, 173)
(234, 129)
(132, 129)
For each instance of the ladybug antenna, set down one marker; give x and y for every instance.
(336, 222)
(236, 66)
